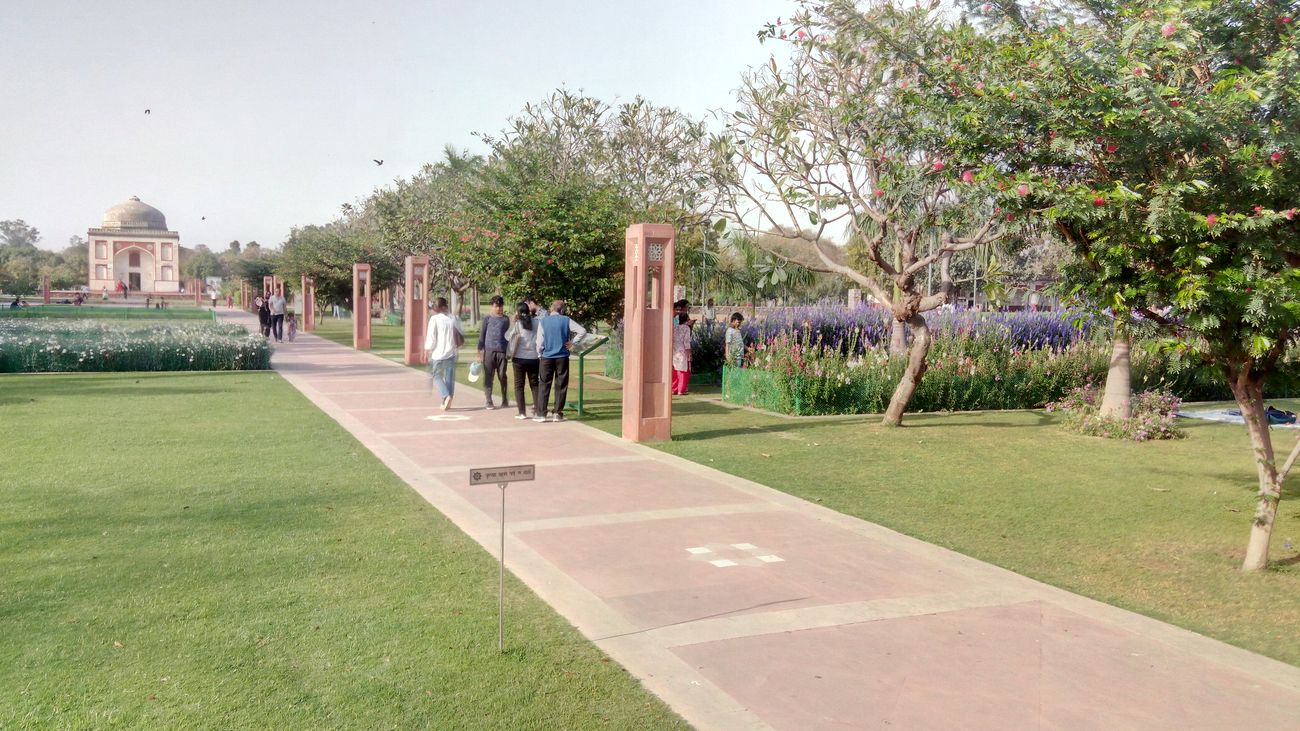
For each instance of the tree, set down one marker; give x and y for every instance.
(1160, 140)
(201, 264)
(18, 233)
(234, 246)
(846, 136)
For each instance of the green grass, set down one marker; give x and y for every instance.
(211, 551)
(1158, 527)
(111, 312)
(384, 339)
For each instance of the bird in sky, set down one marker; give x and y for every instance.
(146, 111)
(379, 162)
(203, 218)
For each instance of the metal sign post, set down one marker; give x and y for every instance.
(501, 477)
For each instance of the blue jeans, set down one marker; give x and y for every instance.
(443, 373)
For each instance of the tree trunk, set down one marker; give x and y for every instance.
(455, 303)
(1250, 398)
(897, 338)
(1117, 396)
(916, 364)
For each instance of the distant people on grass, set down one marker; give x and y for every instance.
(147, 301)
(292, 319)
(230, 300)
(103, 293)
(492, 351)
(710, 313)
(338, 311)
(521, 348)
(277, 306)
(213, 295)
(16, 304)
(263, 315)
(555, 337)
(681, 354)
(441, 341)
(735, 341)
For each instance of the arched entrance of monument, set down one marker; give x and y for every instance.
(134, 266)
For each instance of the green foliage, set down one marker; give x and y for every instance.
(55, 345)
(201, 265)
(22, 265)
(965, 374)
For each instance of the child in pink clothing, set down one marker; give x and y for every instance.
(681, 354)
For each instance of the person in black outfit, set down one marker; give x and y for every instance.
(492, 351)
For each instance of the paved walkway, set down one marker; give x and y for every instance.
(745, 608)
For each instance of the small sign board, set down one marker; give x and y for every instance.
(501, 475)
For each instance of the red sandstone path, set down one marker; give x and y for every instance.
(745, 608)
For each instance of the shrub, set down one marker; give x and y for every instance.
(1153, 414)
(39, 346)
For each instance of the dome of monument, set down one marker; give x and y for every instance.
(134, 214)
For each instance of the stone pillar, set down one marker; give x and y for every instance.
(648, 332)
(45, 290)
(416, 308)
(268, 285)
(361, 306)
(245, 294)
(308, 296)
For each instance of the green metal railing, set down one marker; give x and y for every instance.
(582, 359)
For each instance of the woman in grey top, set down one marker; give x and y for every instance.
(521, 347)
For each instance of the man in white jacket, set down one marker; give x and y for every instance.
(442, 340)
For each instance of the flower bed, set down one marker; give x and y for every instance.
(108, 312)
(40, 346)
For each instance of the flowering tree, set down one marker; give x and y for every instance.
(1159, 140)
(850, 137)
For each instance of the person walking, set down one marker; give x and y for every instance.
(682, 354)
(263, 315)
(492, 351)
(521, 348)
(735, 341)
(554, 338)
(278, 304)
(230, 300)
(441, 341)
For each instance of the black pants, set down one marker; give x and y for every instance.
(277, 327)
(494, 362)
(553, 372)
(526, 369)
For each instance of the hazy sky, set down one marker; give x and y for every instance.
(265, 115)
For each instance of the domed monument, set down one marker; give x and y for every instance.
(133, 248)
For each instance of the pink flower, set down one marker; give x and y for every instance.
(1137, 71)
(1112, 147)
(878, 193)
(1289, 214)
(1168, 29)
(1211, 219)
(979, 86)
(802, 35)
(1276, 157)
(967, 176)
(1022, 190)
(550, 261)
(1099, 201)
(938, 165)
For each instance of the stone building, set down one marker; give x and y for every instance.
(132, 245)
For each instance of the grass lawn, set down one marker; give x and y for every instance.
(111, 312)
(384, 339)
(235, 559)
(1158, 527)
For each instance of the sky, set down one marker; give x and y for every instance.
(267, 115)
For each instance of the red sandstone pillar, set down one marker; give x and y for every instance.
(416, 308)
(648, 332)
(361, 306)
(308, 304)
(45, 290)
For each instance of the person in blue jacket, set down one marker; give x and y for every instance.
(556, 334)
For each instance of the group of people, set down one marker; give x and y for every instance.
(271, 311)
(536, 342)
(682, 326)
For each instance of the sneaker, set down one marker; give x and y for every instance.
(489, 405)
(446, 401)
(557, 417)
(521, 416)
(539, 418)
